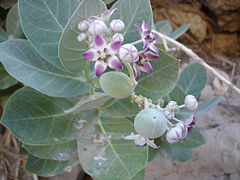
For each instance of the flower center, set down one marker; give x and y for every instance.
(103, 55)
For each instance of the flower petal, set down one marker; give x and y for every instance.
(154, 48)
(113, 62)
(138, 26)
(99, 42)
(132, 136)
(136, 70)
(145, 26)
(91, 55)
(113, 47)
(147, 67)
(151, 56)
(100, 67)
(152, 144)
(139, 140)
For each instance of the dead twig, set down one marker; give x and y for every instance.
(196, 58)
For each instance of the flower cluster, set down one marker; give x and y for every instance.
(105, 44)
(175, 132)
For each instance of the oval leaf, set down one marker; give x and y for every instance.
(132, 12)
(162, 80)
(192, 81)
(13, 26)
(90, 102)
(59, 152)
(3, 35)
(43, 22)
(37, 119)
(179, 31)
(47, 168)
(6, 80)
(23, 63)
(70, 49)
(108, 156)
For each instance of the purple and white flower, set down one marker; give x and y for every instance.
(191, 102)
(104, 54)
(104, 16)
(142, 64)
(117, 25)
(118, 37)
(148, 37)
(141, 141)
(97, 27)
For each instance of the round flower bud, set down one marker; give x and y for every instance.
(97, 27)
(169, 114)
(83, 25)
(118, 37)
(177, 133)
(116, 84)
(128, 53)
(191, 102)
(172, 106)
(81, 37)
(150, 123)
(117, 25)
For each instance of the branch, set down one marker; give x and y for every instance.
(196, 58)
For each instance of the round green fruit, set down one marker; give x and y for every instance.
(116, 84)
(150, 123)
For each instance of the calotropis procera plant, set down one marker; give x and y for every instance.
(98, 87)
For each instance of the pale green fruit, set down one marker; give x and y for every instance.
(150, 123)
(116, 84)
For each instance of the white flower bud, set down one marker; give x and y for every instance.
(97, 27)
(83, 25)
(169, 114)
(172, 106)
(81, 37)
(118, 37)
(117, 25)
(191, 102)
(128, 53)
(177, 133)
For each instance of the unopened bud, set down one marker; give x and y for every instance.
(128, 53)
(97, 27)
(177, 133)
(118, 37)
(191, 102)
(117, 25)
(172, 106)
(169, 114)
(81, 37)
(83, 25)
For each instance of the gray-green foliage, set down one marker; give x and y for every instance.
(62, 114)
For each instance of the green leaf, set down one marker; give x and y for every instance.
(3, 35)
(46, 168)
(60, 152)
(108, 1)
(70, 49)
(179, 31)
(162, 80)
(6, 80)
(192, 80)
(164, 27)
(43, 22)
(139, 176)
(121, 109)
(90, 102)
(24, 64)
(193, 140)
(207, 105)
(37, 119)
(133, 12)
(13, 25)
(109, 157)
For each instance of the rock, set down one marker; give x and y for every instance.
(220, 88)
(207, 93)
